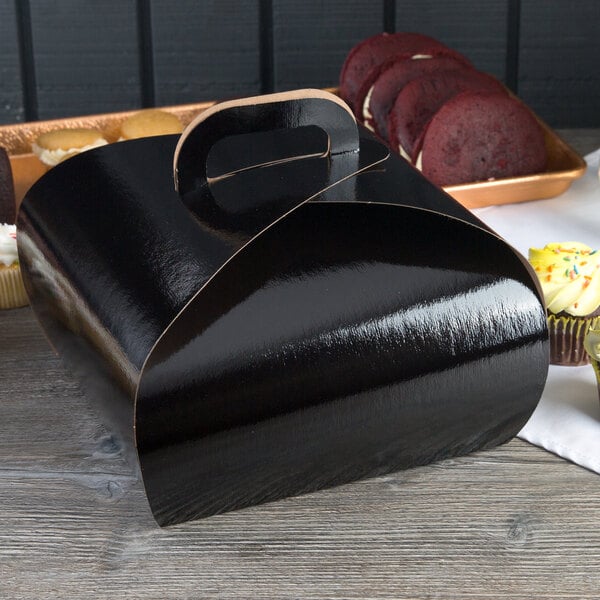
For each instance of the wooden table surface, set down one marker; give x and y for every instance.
(514, 522)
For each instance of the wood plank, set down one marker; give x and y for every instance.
(11, 97)
(54, 426)
(85, 56)
(311, 39)
(559, 63)
(477, 29)
(205, 50)
(513, 522)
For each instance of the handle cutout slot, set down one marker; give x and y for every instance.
(242, 152)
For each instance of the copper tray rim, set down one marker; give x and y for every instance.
(32, 129)
(537, 186)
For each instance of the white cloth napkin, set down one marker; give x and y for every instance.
(567, 419)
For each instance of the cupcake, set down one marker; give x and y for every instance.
(591, 344)
(12, 290)
(55, 146)
(569, 273)
(151, 122)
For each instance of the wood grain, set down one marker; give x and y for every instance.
(63, 418)
(477, 29)
(205, 50)
(512, 522)
(559, 62)
(311, 39)
(11, 97)
(86, 56)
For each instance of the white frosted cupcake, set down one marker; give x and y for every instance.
(12, 290)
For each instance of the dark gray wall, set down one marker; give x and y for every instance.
(68, 57)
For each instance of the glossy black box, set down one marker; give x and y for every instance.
(273, 304)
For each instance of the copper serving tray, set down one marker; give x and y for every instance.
(26, 167)
(564, 164)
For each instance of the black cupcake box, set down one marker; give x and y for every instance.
(272, 304)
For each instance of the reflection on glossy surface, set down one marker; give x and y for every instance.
(348, 338)
(366, 350)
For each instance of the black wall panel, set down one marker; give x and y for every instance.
(205, 50)
(11, 97)
(559, 61)
(86, 56)
(68, 57)
(477, 29)
(311, 38)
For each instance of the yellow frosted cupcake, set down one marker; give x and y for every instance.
(569, 273)
(55, 146)
(12, 291)
(150, 122)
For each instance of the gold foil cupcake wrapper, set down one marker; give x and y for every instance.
(12, 290)
(566, 339)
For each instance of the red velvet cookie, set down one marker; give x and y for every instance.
(421, 98)
(477, 136)
(396, 75)
(363, 63)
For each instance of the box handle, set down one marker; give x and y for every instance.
(287, 110)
